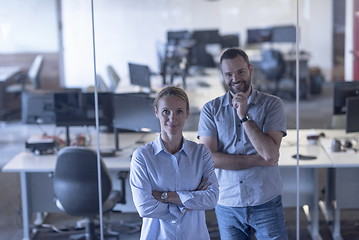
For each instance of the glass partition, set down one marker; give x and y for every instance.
(182, 47)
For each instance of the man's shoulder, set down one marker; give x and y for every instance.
(263, 96)
(216, 101)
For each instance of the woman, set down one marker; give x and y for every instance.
(172, 179)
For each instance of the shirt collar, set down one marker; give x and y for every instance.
(158, 146)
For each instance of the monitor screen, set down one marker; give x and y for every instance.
(343, 90)
(134, 112)
(176, 36)
(78, 109)
(37, 107)
(352, 114)
(230, 40)
(209, 36)
(259, 35)
(139, 75)
(284, 34)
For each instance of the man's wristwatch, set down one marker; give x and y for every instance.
(246, 118)
(164, 196)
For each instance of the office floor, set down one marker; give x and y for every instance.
(200, 89)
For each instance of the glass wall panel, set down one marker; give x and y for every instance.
(194, 33)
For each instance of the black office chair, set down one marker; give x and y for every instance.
(76, 188)
(114, 78)
(29, 81)
(273, 66)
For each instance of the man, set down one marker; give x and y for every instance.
(243, 129)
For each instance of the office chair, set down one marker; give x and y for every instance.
(173, 62)
(273, 66)
(114, 78)
(101, 85)
(76, 188)
(33, 75)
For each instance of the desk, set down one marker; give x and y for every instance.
(342, 180)
(308, 176)
(34, 171)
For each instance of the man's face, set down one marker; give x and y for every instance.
(237, 74)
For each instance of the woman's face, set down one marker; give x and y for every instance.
(172, 113)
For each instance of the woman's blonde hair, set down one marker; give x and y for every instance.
(172, 91)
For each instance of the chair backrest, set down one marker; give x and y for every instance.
(114, 78)
(75, 181)
(101, 85)
(273, 64)
(35, 70)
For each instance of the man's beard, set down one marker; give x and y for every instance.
(244, 89)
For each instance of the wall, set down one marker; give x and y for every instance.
(133, 28)
(27, 26)
(130, 30)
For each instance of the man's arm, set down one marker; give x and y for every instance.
(232, 161)
(266, 144)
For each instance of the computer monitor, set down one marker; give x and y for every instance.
(284, 34)
(177, 36)
(78, 109)
(352, 114)
(140, 75)
(134, 112)
(206, 36)
(343, 90)
(37, 107)
(229, 40)
(204, 39)
(259, 35)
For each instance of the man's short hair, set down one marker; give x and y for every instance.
(232, 53)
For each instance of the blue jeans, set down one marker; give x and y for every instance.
(266, 220)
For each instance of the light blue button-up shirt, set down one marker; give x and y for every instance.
(153, 168)
(252, 186)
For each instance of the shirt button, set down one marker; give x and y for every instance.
(240, 181)
(173, 221)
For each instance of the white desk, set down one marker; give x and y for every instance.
(308, 175)
(34, 172)
(342, 180)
